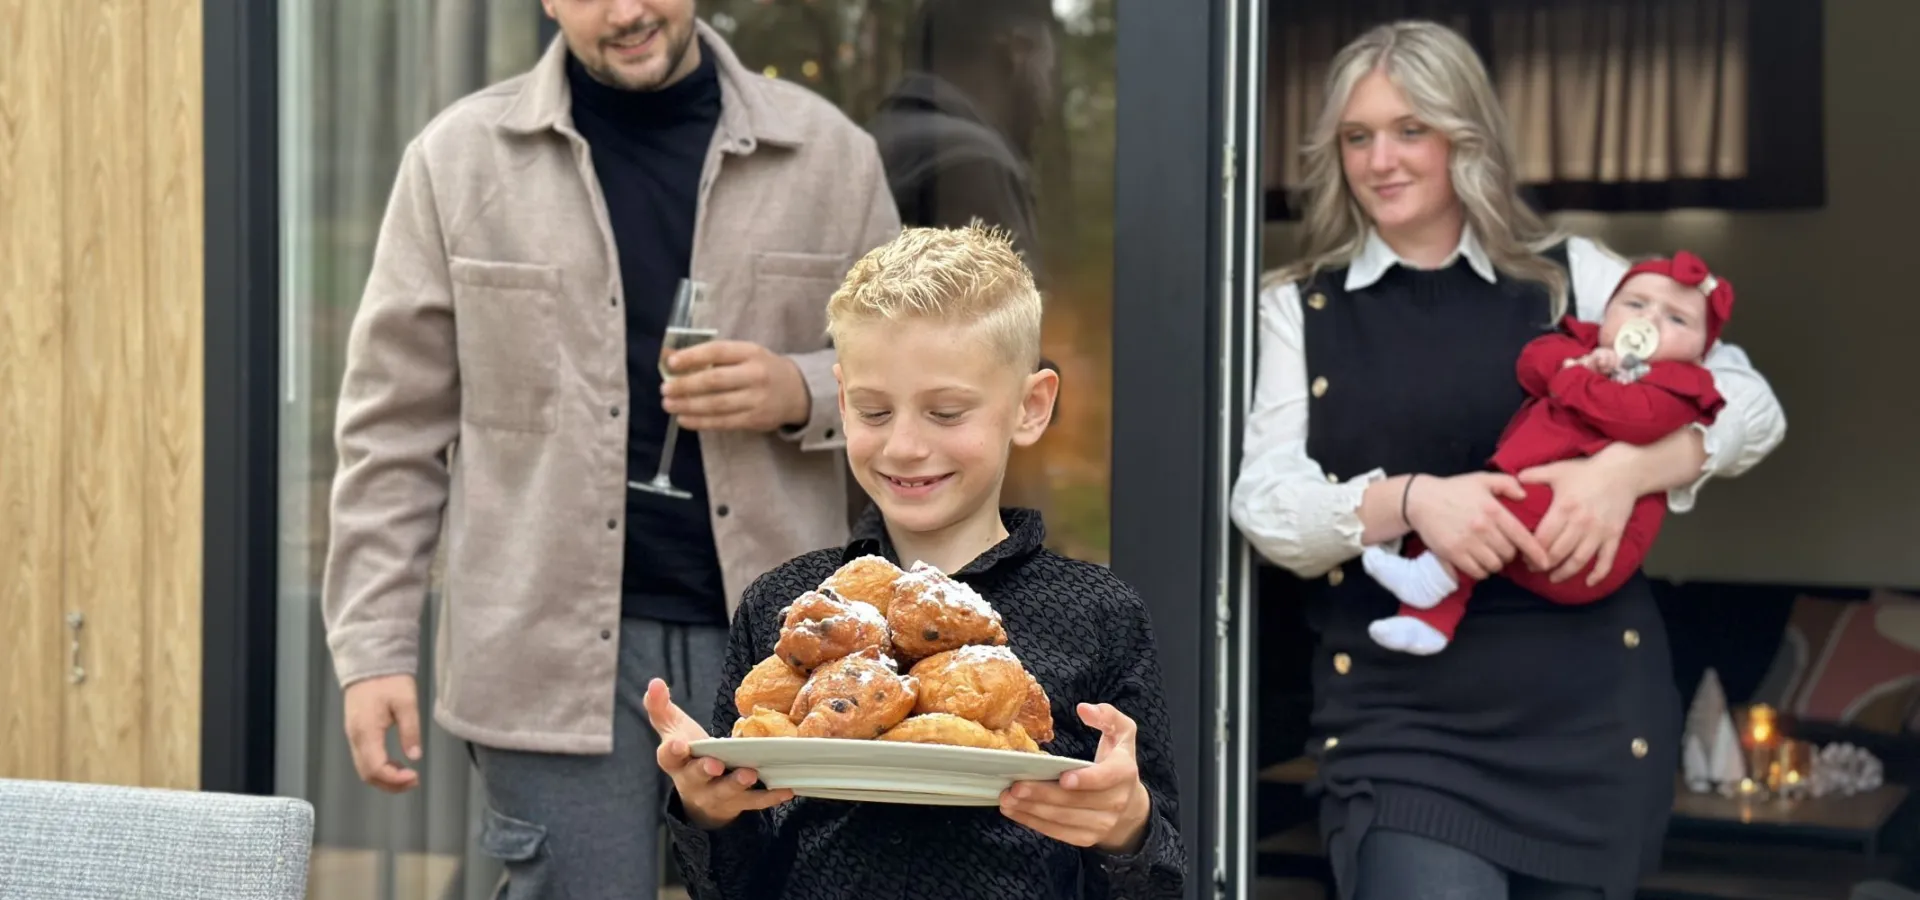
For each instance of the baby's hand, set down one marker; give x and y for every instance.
(1602, 360)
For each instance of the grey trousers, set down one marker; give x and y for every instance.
(571, 827)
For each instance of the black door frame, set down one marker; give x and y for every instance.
(240, 525)
(1170, 266)
(1168, 309)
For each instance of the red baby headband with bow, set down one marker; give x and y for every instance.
(1692, 271)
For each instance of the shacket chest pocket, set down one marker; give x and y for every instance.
(790, 292)
(503, 319)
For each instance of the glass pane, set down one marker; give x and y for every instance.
(1001, 110)
(359, 79)
(1034, 99)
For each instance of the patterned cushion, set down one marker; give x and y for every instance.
(1851, 663)
(62, 841)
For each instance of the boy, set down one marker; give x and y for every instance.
(1635, 376)
(938, 340)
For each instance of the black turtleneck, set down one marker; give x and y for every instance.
(648, 150)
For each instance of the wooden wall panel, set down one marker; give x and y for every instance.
(101, 369)
(105, 414)
(173, 383)
(31, 369)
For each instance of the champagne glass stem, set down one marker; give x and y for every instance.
(666, 449)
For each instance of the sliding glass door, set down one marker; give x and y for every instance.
(1022, 96)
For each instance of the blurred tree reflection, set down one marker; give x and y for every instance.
(1001, 109)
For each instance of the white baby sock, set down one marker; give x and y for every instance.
(1421, 582)
(1407, 635)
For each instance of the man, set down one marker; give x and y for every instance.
(502, 393)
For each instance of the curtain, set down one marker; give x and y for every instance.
(1597, 91)
(359, 79)
(1625, 90)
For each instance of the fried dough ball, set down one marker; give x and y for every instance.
(765, 723)
(868, 579)
(931, 613)
(772, 684)
(1015, 738)
(985, 684)
(1035, 717)
(946, 729)
(858, 696)
(821, 627)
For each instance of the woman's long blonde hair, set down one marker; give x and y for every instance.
(1447, 86)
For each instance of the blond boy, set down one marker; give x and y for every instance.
(938, 339)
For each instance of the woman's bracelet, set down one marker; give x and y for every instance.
(1404, 494)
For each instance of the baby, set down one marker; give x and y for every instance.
(1635, 377)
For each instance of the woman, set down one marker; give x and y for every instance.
(1535, 757)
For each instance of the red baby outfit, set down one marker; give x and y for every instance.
(1573, 412)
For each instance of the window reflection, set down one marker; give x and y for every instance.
(996, 109)
(1000, 110)
(359, 79)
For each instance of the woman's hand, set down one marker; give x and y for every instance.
(712, 797)
(1463, 522)
(1104, 806)
(1592, 499)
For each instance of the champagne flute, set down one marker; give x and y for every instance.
(681, 334)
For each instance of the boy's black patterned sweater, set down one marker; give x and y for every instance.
(1081, 631)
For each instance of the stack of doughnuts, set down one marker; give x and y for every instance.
(836, 671)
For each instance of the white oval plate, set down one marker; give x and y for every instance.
(885, 771)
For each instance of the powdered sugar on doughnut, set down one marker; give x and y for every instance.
(933, 584)
(859, 609)
(865, 675)
(975, 654)
(844, 608)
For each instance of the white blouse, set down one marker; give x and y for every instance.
(1299, 519)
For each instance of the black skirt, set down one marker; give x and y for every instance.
(1544, 738)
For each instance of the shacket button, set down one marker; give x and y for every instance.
(1317, 301)
(1336, 576)
(1342, 663)
(722, 510)
(1640, 748)
(1332, 478)
(1320, 386)
(614, 412)
(606, 635)
(613, 524)
(1631, 638)
(1331, 743)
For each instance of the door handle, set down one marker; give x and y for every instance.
(75, 672)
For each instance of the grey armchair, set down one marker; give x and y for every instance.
(62, 841)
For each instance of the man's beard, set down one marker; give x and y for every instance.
(676, 55)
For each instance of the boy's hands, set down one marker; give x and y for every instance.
(1103, 806)
(712, 797)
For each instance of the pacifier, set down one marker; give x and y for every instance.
(1636, 341)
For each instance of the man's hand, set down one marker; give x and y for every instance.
(711, 797)
(735, 386)
(373, 706)
(1104, 806)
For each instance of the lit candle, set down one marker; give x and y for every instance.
(1762, 734)
(1760, 724)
